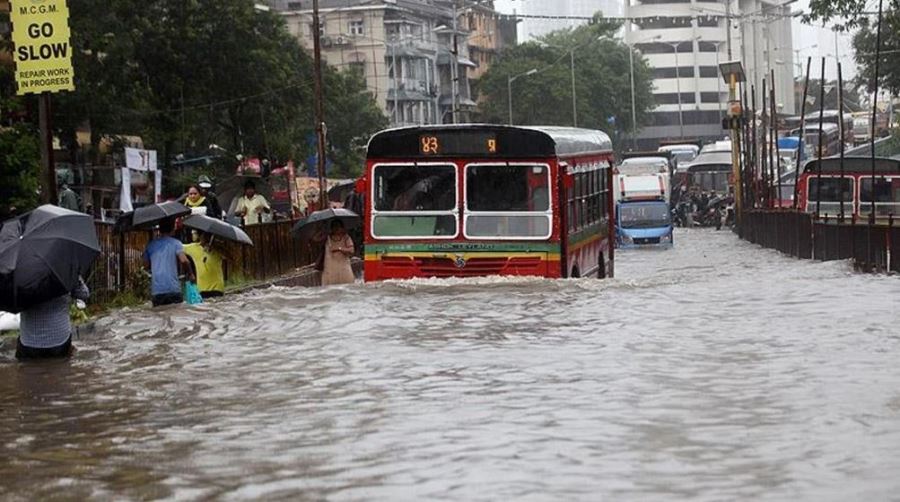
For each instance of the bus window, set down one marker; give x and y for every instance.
(831, 193)
(414, 201)
(709, 181)
(887, 196)
(507, 201)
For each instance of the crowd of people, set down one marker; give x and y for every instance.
(46, 330)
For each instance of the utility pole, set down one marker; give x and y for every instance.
(319, 107)
(728, 29)
(454, 69)
(49, 194)
(397, 114)
(574, 101)
(633, 105)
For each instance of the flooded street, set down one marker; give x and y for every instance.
(713, 371)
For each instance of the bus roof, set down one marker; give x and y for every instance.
(853, 165)
(486, 140)
(814, 128)
(710, 161)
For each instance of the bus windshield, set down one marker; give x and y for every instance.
(644, 215)
(508, 201)
(414, 201)
(507, 188)
(712, 180)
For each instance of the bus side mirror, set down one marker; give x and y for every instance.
(360, 186)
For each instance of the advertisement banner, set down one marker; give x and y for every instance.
(140, 160)
(43, 52)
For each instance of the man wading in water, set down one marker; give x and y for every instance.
(162, 258)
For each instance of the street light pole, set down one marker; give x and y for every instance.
(319, 107)
(719, 80)
(678, 87)
(574, 101)
(633, 105)
(509, 81)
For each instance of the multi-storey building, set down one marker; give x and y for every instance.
(684, 41)
(540, 17)
(414, 54)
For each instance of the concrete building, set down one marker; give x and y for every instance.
(413, 61)
(552, 15)
(685, 40)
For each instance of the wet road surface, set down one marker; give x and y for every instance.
(713, 371)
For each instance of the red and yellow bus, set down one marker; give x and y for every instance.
(480, 200)
(824, 184)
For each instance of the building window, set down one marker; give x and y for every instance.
(709, 72)
(691, 117)
(709, 97)
(671, 98)
(664, 48)
(683, 72)
(357, 27)
(708, 22)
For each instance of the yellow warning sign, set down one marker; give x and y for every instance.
(43, 51)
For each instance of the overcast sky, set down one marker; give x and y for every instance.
(804, 37)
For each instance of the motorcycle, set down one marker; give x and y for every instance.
(711, 216)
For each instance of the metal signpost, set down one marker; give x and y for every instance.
(733, 72)
(43, 56)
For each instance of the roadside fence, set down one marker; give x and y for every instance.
(275, 253)
(826, 239)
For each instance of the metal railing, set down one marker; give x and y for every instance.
(119, 268)
(870, 247)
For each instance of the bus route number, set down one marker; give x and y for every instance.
(430, 145)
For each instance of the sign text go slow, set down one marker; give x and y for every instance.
(43, 51)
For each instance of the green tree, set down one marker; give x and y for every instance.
(602, 81)
(185, 74)
(19, 169)
(851, 96)
(856, 14)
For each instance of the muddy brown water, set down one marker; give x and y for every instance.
(713, 371)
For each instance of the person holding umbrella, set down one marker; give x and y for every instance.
(43, 256)
(337, 247)
(336, 268)
(207, 259)
(207, 265)
(163, 257)
(45, 330)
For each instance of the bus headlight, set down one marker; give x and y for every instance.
(626, 239)
(666, 238)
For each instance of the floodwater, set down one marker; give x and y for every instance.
(713, 371)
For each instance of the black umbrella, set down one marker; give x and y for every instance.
(42, 255)
(320, 220)
(218, 228)
(147, 216)
(154, 213)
